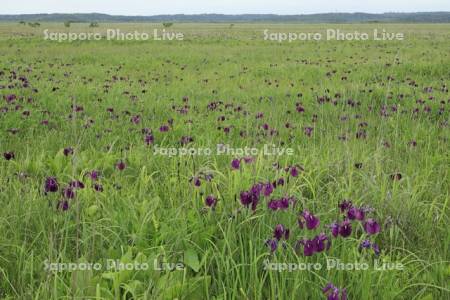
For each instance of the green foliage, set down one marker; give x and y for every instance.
(151, 212)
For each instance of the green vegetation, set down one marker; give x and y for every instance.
(367, 120)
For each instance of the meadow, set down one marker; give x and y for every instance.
(82, 181)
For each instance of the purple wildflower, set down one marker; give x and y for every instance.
(9, 155)
(311, 221)
(68, 193)
(334, 229)
(376, 249)
(345, 205)
(308, 247)
(371, 227)
(94, 175)
(121, 165)
(355, 213)
(365, 244)
(267, 189)
(196, 181)
(98, 187)
(235, 164)
(345, 229)
(294, 172)
(51, 185)
(280, 231)
(308, 131)
(186, 140)
(77, 184)
(211, 201)
(149, 139)
(63, 205)
(272, 244)
(319, 242)
(68, 151)
(164, 128)
(136, 119)
(246, 198)
(333, 292)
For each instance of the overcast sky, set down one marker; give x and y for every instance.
(155, 7)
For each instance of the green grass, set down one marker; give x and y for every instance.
(151, 209)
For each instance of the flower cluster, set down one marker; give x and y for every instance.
(333, 293)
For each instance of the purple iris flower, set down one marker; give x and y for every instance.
(294, 172)
(98, 187)
(255, 201)
(149, 139)
(68, 151)
(376, 249)
(308, 247)
(311, 221)
(77, 184)
(272, 244)
(51, 185)
(63, 205)
(355, 213)
(345, 229)
(280, 231)
(280, 204)
(252, 196)
(136, 119)
(319, 242)
(121, 165)
(164, 128)
(371, 227)
(283, 203)
(69, 193)
(94, 175)
(211, 201)
(257, 188)
(334, 229)
(186, 140)
(273, 204)
(308, 131)
(345, 205)
(9, 155)
(235, 164)
(333, 292)
(365, 244)
(208, 177)
(246, 198)
(267, 189)
(196, 181)
(10, 98)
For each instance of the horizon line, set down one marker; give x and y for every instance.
(225, 14)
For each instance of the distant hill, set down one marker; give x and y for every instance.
(419, 17)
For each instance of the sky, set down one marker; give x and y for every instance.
(156, 7)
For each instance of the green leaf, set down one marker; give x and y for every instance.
(92, 210)
(191, 259)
